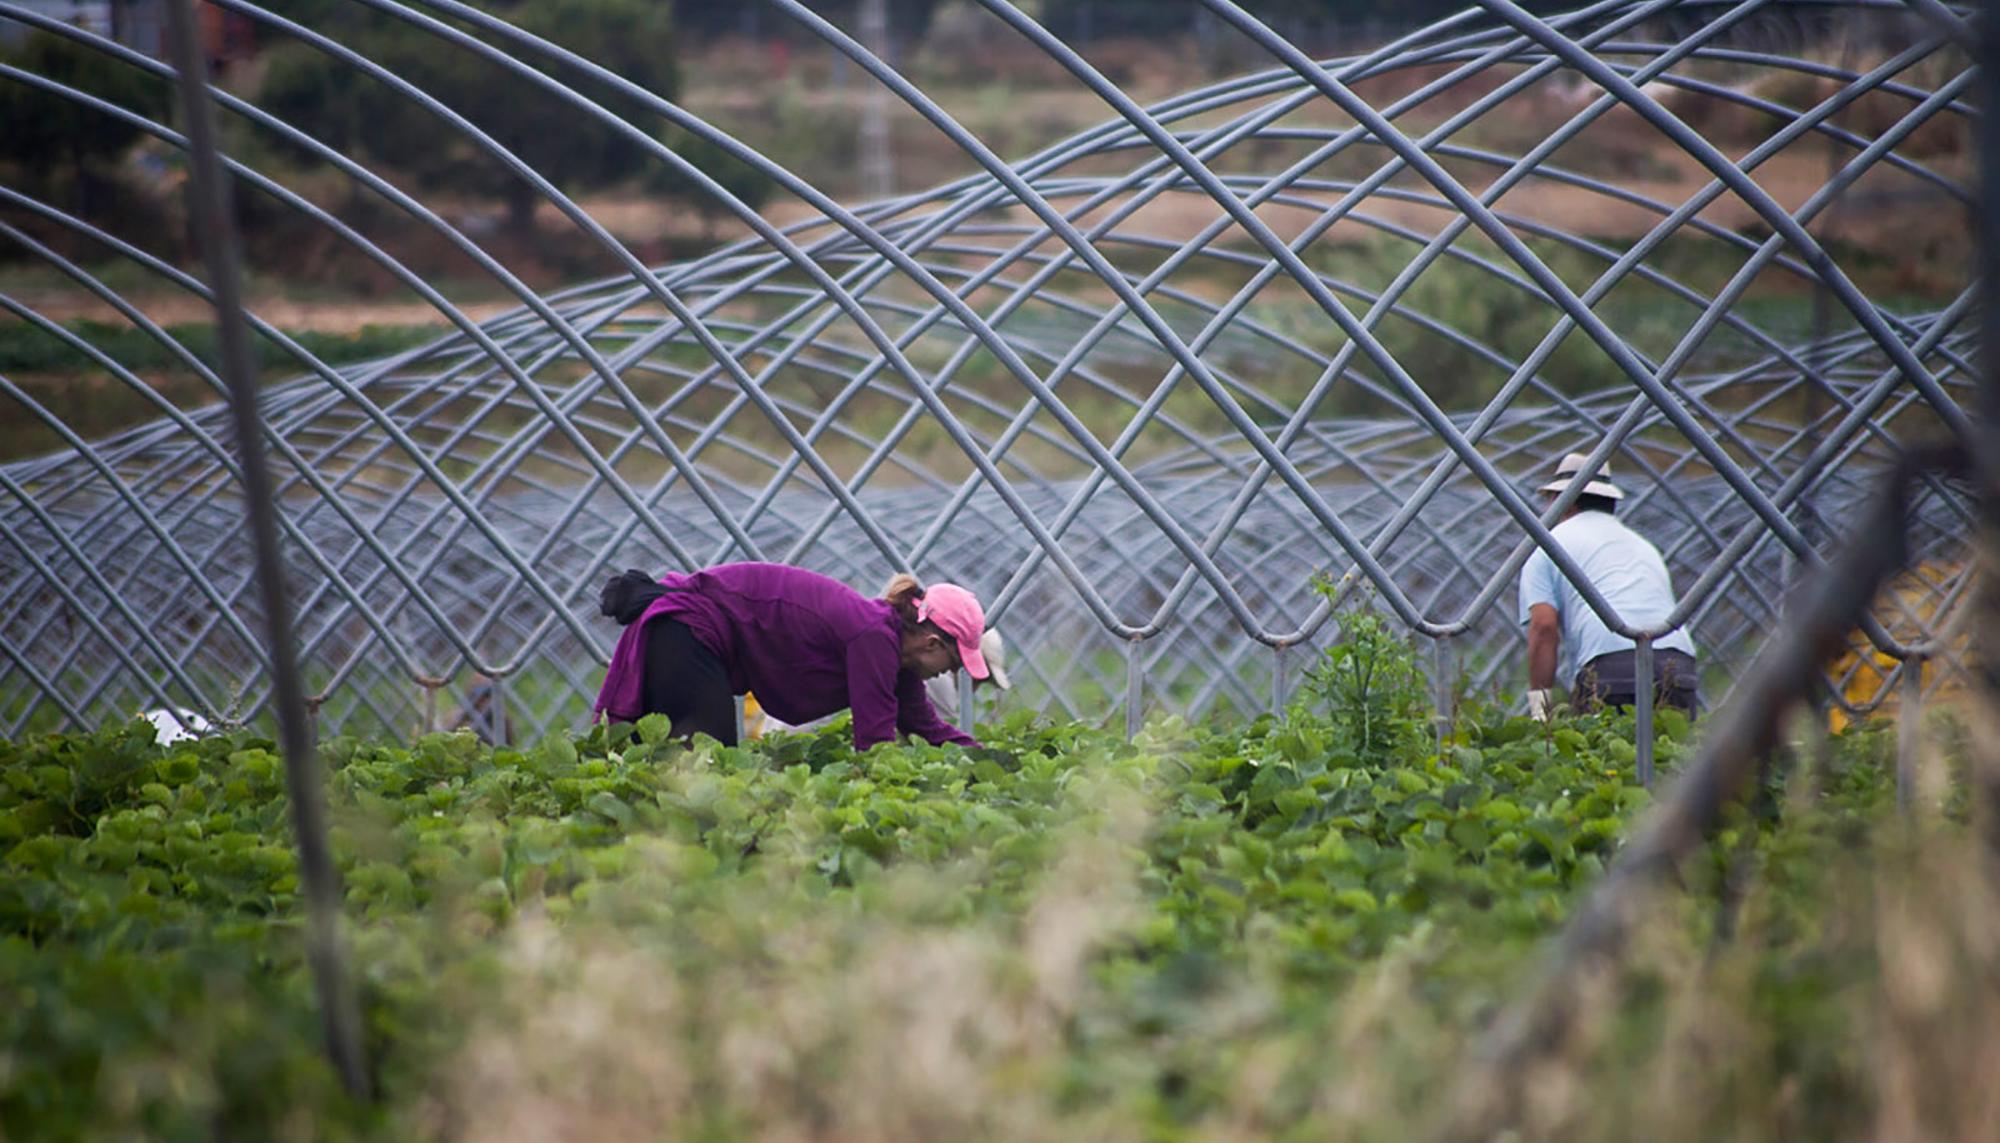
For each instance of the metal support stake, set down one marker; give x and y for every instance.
(1909, 725)
(1278, 680)
(1642, 660)
(1134, 689)
(496, 714)
(214, 228)
(965, 702)
(1443, 660)
(430, 707)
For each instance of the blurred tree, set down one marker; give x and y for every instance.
(1085, 20)
(909, 20)
(571, 148)
(745, 182)
(1082, 21)
(48, 137)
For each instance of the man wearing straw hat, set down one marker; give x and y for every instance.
(1628, 571)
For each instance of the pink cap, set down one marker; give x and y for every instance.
(957, 611)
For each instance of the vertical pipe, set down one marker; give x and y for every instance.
(1442, 687)
(1909, 726)
(430, 689)
(211, 214)
(1134, 689)
(965, 702)
(1278, 665)
(1642, 661)
(878, 171)
(496, 712)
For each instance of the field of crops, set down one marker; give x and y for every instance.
(1289, 929)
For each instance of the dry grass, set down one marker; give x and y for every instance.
(1856, 1001)
(832, 1028)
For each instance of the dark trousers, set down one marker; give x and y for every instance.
(1613, 680)
(686, 682)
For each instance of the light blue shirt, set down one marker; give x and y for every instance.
(1624, 567)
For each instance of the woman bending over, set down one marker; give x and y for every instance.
(807, 644)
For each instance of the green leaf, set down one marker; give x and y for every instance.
(178, 769)
(1356, 900)
(1470, 835)
(611, 807)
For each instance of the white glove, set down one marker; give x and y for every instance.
(1541, 704)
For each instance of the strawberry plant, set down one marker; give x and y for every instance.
(1107, 937)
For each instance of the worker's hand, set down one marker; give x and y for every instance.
(1541, 703)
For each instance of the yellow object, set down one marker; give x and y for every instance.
(1866, 669)
(753, 717)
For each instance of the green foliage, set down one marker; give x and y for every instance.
(25, 349)
(1090, 19)
(150, 906)
(908, 20)
(1370, 685)
(81, 395)
(748, 184)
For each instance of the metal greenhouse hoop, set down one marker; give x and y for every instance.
(1141, 443)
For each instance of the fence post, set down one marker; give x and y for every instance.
(212, 220)
(496, 713)
(1444, 663)
(1642, 661)
(1134, 688)
(1278, 665)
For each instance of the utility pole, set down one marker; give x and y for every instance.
(878, 167)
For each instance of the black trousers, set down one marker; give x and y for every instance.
(686, 682)
(1613, 680)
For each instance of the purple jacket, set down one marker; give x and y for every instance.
(806, 644)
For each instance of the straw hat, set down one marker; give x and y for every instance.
(1571, 465)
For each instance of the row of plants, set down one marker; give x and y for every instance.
(25, 349)
(90, 401)
(1293, 927)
